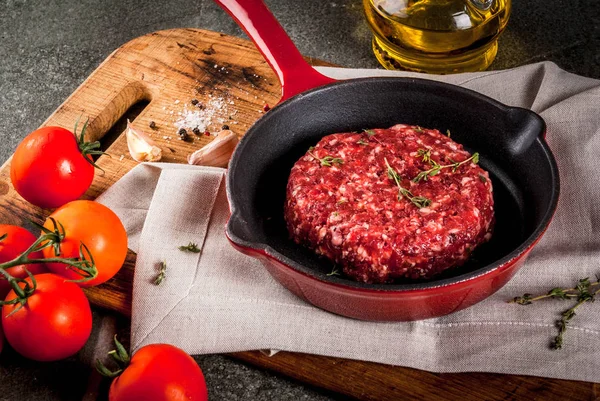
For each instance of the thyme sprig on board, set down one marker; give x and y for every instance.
(418, 201)
(584, 291)
(436, 167)
(326, 161)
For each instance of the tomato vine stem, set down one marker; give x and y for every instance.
(83, 264)
(120, 356)
(88, 149)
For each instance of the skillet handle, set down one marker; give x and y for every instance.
(295, 74)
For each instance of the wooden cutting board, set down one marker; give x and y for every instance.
(155, 78)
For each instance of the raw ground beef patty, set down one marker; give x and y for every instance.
(383, 205)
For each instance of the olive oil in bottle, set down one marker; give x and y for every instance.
(436, 36)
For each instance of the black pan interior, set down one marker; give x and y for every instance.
(522, 168)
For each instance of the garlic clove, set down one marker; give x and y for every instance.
(141, 147)
(217, 153)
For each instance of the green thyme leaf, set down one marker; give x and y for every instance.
(558, 293)
(436, 168)
(418, 201)
(327, 161)
(425, 154)
(584, 291)
(523, 300)
(191, 247)
(161, 274)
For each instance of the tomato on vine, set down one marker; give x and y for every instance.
(156, 372)
(1, 339)
(100, 231)
(15, 240)
(55, 322)
(52, 166)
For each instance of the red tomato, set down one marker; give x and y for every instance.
(49, 169)
(160, 372)
(55, 323)
(16, 242)
(100, 229)
(19, 272)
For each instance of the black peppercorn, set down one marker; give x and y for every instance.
(194, 101)
(225, 127)
(183, 134)
(197, 131)
(152, 124)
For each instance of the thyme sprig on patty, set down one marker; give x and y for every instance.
(436, 167)
(418, 201)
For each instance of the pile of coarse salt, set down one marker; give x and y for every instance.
(201, 118)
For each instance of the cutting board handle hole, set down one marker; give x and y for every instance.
(121, 124)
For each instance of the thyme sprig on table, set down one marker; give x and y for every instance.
(584, 291)
(436, 167)
(418, 201)
(326, 161)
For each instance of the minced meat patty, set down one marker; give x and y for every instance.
(390, 203)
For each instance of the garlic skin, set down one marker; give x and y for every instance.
(217, 153)
(141, 147)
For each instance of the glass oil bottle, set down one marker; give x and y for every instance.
(436, 36)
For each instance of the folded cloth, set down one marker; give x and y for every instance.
(220, 300)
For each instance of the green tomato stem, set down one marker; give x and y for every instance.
(81, 265)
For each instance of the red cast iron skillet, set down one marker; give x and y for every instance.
(510, 142)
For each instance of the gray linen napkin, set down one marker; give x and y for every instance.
(222, 301)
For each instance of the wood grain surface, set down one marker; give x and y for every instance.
(155, 78)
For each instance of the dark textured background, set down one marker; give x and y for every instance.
(47, 48)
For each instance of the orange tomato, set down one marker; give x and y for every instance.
(100, 229)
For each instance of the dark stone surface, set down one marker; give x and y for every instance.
(48, 48)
